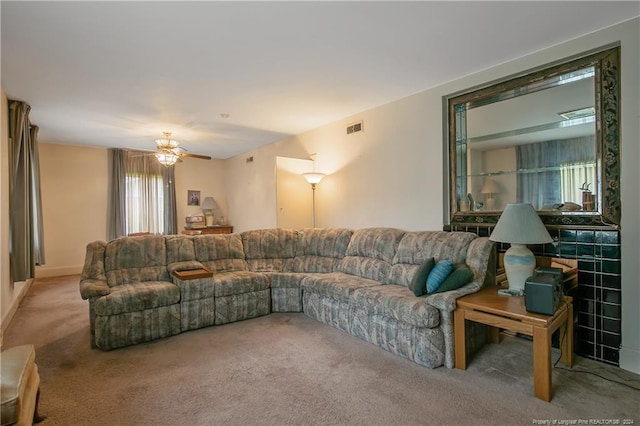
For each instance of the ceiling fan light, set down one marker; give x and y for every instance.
(167, 158)
(166, 142)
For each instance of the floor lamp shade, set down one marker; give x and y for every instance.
(519, 225)
(313, 178)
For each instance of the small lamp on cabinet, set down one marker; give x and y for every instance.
(208, 206)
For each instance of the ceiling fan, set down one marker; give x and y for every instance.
(168, 151)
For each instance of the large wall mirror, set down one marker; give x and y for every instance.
(549, 138)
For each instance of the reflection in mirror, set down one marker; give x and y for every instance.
(537, 148)
(535, 139)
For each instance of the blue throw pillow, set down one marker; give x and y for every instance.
(438, 274)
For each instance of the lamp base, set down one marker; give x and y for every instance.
(519, 264)
(208, 217)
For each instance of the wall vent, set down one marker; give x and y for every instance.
(354, 127)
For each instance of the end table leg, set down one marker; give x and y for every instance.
(567, 345)
(542, 363)
(460, 340)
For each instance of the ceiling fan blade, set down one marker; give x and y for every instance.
(202, 157)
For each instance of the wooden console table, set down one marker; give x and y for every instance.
(509, 313)
(218, 229)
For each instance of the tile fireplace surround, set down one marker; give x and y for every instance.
(597, 298)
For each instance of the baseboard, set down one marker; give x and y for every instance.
(17, 299)
(57, 271)
(630, 360)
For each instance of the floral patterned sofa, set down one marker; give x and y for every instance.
(354, 280)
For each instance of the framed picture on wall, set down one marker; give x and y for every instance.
(193, 198)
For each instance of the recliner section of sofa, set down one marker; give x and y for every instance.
(356, 281)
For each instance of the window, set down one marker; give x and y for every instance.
(144, 205)
(142, 195)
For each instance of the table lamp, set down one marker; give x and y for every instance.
(208, 206)
(489, 189)
(519, 225)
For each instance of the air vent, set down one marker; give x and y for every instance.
(354, 127)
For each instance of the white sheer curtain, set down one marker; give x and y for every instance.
(573, 176)
(144, 192)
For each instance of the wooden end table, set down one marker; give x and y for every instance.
(509, 313)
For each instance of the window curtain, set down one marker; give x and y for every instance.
(574, 176)
(26, 245)
(539, 168)
(116, 219)
(170, 213)
(142, 195)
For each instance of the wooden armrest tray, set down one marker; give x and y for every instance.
(193, 274)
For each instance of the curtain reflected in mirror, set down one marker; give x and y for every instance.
(557, 173)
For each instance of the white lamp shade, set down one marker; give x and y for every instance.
(520, 224)
(313, 177)
(209, 204)
(490, 187)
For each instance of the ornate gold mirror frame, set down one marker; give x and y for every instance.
(606, 74)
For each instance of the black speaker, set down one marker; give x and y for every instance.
(543, 292)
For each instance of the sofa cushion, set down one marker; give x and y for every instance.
(270, 250)
(320, 249)
(335, 285)
(418, 282)
(397, 302)
(239, 282)
(180, 248)
(137, 297)
(132, 260)
(416, 247)
(370, 253)
(220, 252)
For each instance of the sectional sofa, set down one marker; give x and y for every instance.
(354, 280)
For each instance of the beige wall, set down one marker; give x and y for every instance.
(293, 193)
(74, 188)
(392, 173)
(206, 176)
(251, 189)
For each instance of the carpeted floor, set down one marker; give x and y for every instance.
(287, 369)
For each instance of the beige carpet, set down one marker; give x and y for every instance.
(287, 369)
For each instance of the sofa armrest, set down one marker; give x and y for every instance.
(93, 288)
(446, 301)
(481, 259)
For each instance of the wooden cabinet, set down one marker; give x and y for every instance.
(221, 229)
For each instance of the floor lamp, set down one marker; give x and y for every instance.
(313, 178)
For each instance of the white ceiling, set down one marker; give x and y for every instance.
(118, 74)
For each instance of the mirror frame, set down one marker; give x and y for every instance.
(606, 64)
